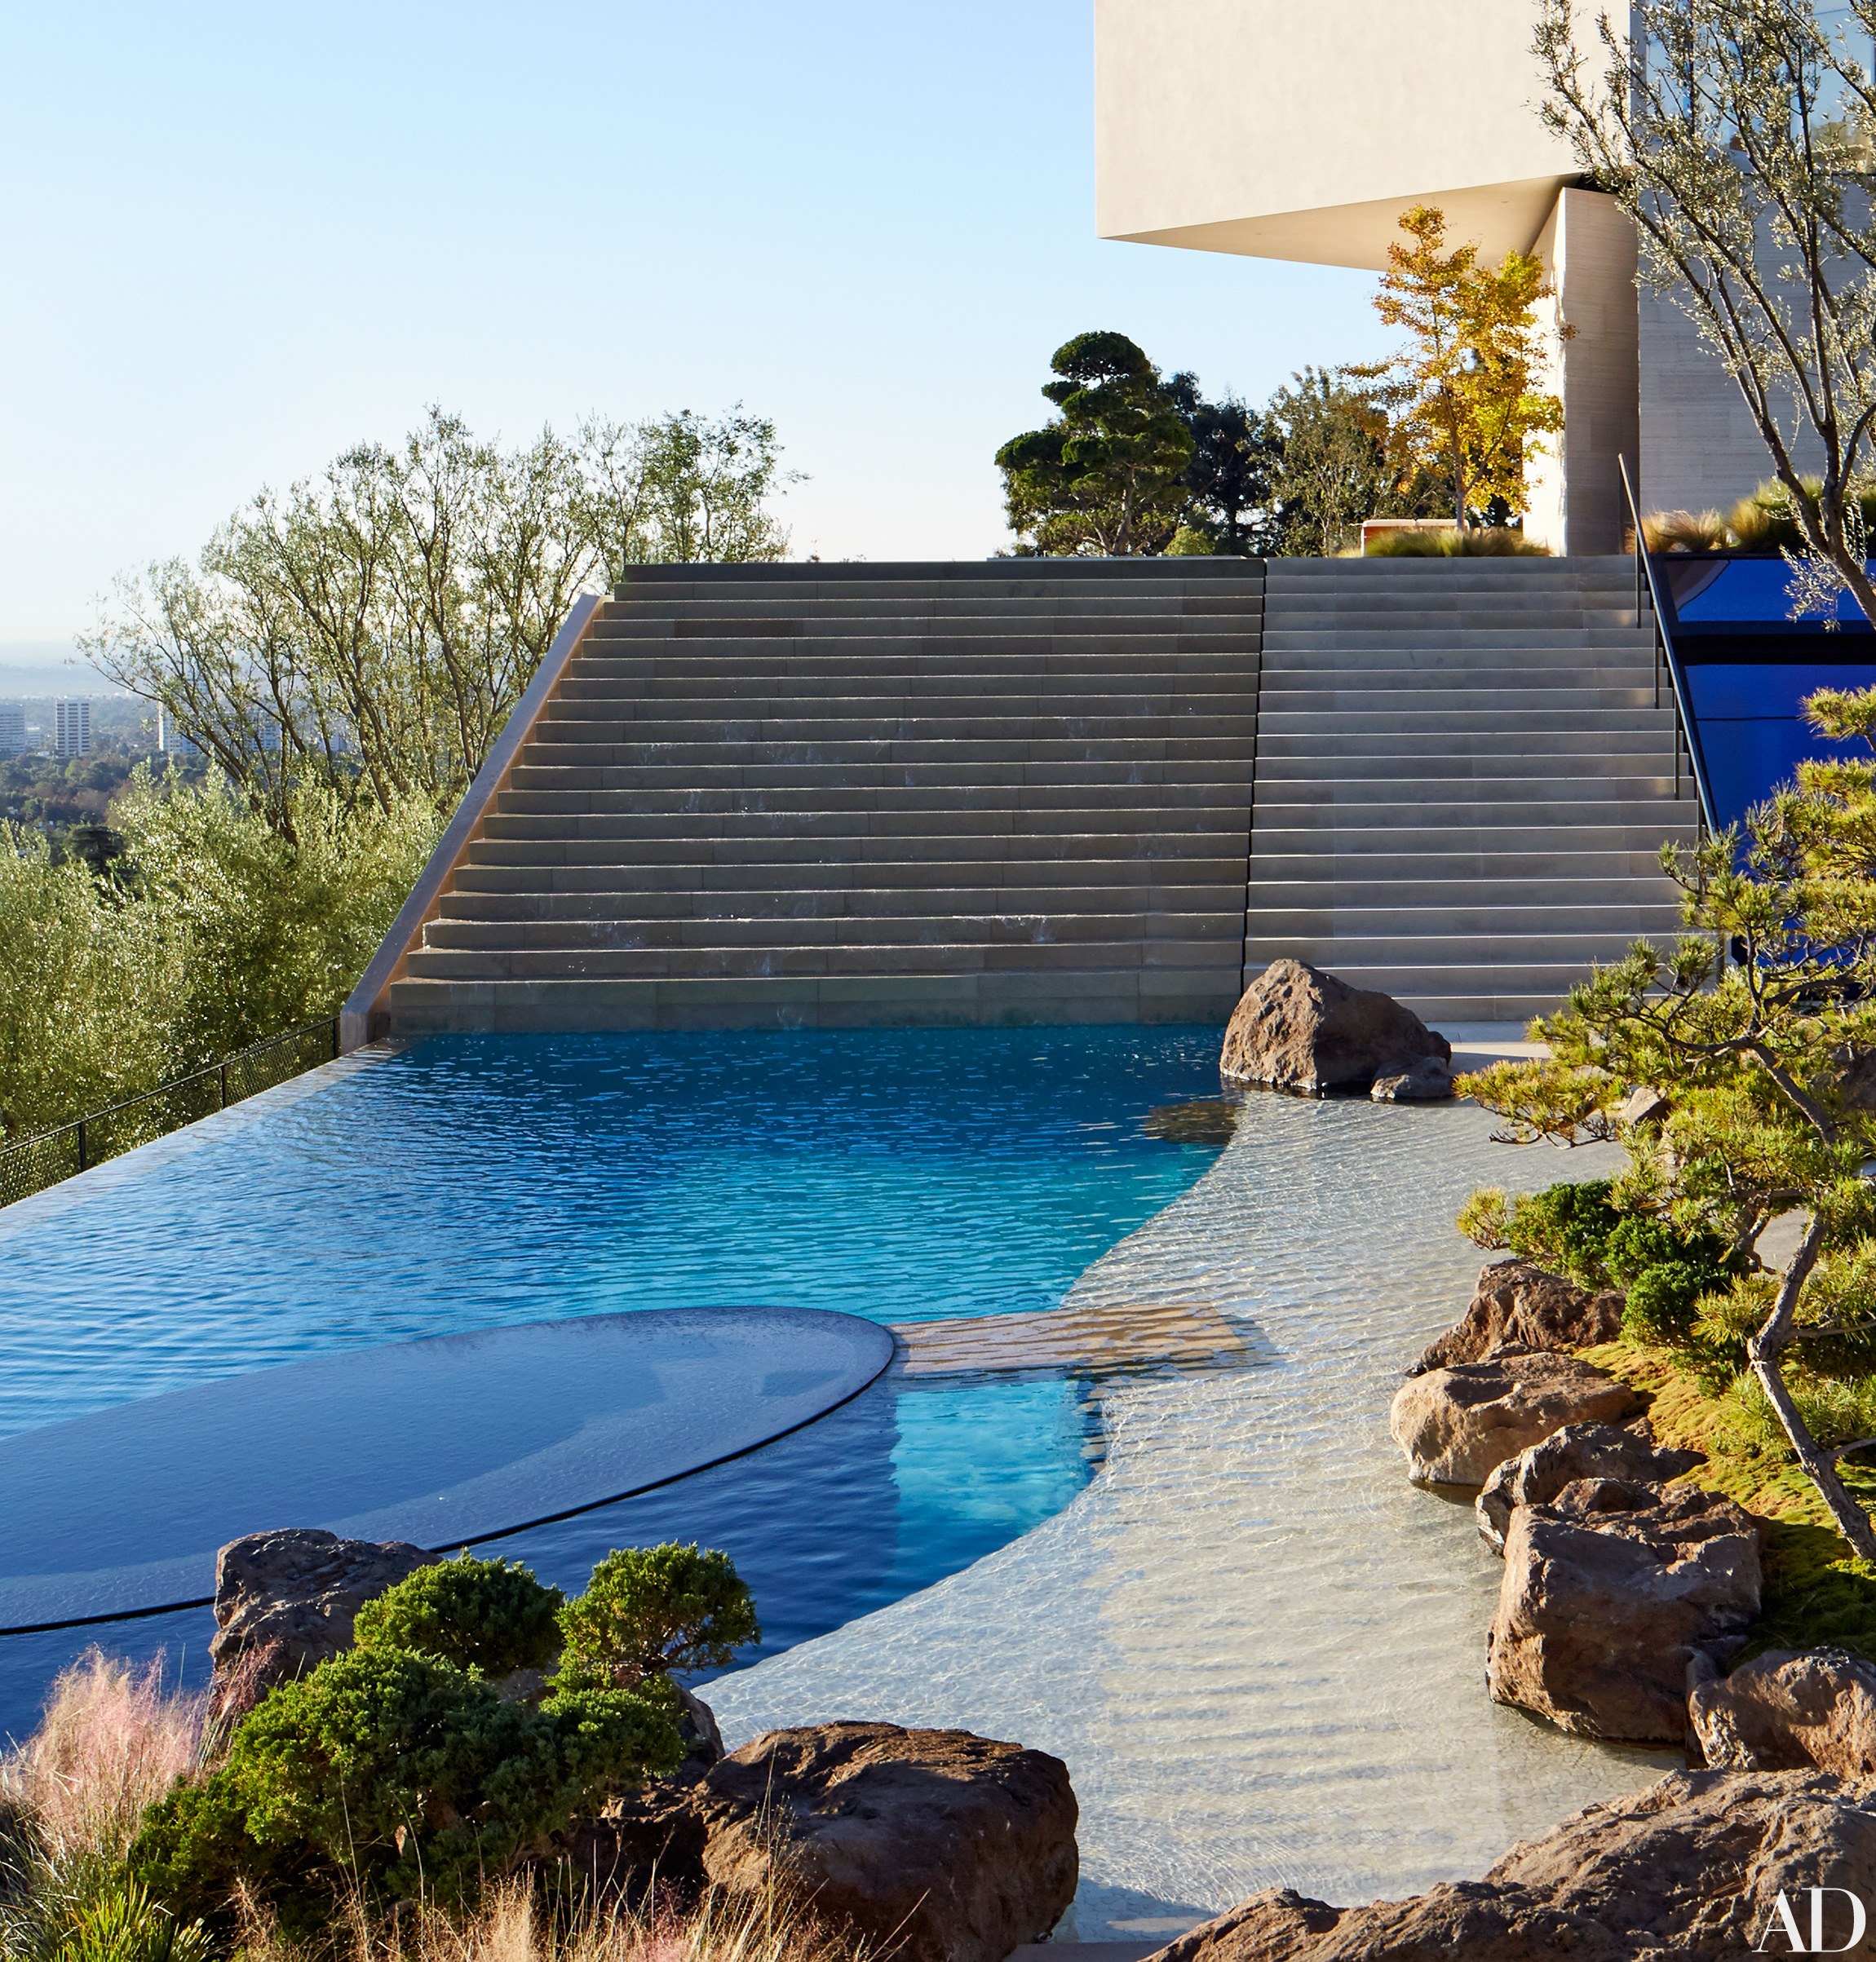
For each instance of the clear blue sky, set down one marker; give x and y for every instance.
(238, 238)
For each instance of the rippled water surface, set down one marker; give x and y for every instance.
(894, 1173)
(1259, 1650)
(474, 1182)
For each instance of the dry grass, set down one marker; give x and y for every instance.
(1686, 532)
(514, 1924)
(112, 1742)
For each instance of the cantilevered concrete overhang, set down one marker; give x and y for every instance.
(1302, 131)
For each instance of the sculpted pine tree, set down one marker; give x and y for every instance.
(1108, 476)
(1465, 392)
(1746, 1090)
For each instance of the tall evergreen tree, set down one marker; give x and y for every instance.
(1108, 475)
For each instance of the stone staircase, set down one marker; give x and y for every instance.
(834, 795)
(1463, 779)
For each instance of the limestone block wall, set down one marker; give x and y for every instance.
(1588, 247)
(1700, 447)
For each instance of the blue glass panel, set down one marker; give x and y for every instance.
(1708, 593)
(1752, 732)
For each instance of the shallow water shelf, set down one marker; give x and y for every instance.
(443, 1441)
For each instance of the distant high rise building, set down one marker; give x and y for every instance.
(170, 740)
(74, 734)
(12, 728)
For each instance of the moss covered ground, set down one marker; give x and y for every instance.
(1816, 1592)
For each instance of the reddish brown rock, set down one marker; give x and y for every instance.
(285, 1601)
(1788, 1710)
(1297, 1028)
(943, 1846)
(1610, 1592)
(1517, 1302)
(932, 1845)
(1691, 1867)
(1578, 1451)
(1458, 1426)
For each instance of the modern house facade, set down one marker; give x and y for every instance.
(1276, 131)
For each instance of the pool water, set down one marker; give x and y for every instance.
(475, 1181)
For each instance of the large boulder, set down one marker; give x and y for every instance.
(1787, 1710)
(1297, 1028)
(285, 1601)
(1458, 1426)
(1519, 1303)
(1578, 1451)
(1692, 1867)
(930, 1845)
(1610, 1592)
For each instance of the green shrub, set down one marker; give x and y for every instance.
(1564, 1229)
(649, 1610)
(489, 1614)
(396, 1773)
(1663, 1300)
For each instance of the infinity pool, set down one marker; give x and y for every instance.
(472, 1183)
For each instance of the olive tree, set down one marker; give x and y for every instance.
(373, 625)
(1737, 133)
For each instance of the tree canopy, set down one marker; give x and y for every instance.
(1464, 391)
(371, 628)
(1109, 475)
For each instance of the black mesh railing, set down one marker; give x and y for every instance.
(30, 1164)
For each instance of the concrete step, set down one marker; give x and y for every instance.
(1411, 880)
(1280, 763)
(782, 903)
(964, 714)
(1278, 845)
(988, 928)
(1105, 608)
(710, 761)
(912, 851)
(934, 817)
(1612, 800)
(863, 639)
(1484, 918)
(1569, 952)
(1284, 697)
(1015, 867)
(1205, 994)
(959, 956)
(1637, 723)
(931, 786)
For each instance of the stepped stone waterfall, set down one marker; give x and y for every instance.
(841, 794)
(1063, 791)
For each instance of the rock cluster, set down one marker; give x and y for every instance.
(1610, 1592)
(1693, 1868)
(1457, 1425)
(1519, 1303)
(933, 1845)
(1297, 1028)
(1578, 1451)
(285, 1601)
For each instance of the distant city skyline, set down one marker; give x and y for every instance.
(241, 241)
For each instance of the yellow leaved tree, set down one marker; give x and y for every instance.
(1464, 392)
